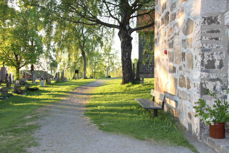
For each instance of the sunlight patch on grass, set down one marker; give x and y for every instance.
(113, 108)
(18, 113)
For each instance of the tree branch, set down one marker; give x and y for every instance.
(143, 27)
(109, 11)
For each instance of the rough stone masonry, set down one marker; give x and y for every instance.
(195, 35)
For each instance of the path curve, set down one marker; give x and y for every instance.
(66, 130)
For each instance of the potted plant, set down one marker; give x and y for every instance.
(215, 115)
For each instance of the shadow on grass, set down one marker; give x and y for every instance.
(18, 110)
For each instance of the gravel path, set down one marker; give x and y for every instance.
(65, 130)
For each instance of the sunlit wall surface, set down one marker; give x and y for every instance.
(191, 53)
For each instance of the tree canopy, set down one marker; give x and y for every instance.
(71, 33)
(119, 14)
(21, 44)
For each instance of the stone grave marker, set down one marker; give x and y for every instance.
(42, 82)
(17, 87)
(57, 77)
(62, 76)
(3, 73)
(48, 81)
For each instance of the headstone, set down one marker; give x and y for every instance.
(26, 86)
(11, 77)
(3, 73)
(8, 81)
(33, 77)
(57, 77)
(62, 76)
(17, 87)
(42, 82)
(22, 82)
(48, 81)
(142, 80)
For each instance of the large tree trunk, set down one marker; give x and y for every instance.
(126, 49)
(84, 65)
(17, 73)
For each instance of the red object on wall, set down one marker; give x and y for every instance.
(165, 52)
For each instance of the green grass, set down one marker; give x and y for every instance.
(18, 113)
(113, 108)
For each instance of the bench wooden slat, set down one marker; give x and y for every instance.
(147, 104)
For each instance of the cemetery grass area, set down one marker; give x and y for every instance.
(112, 107)
(18, 114)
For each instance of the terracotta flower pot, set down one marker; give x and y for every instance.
(217, 130)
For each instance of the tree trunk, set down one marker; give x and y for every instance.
(107, 71)
(32, 73)
(137, 77)
(84, 65)
(126, 49)
(17, 73)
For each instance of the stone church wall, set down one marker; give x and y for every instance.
(190, 53)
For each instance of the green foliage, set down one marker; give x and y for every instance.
(112, 107)
(18, 114)
(20, 43)
(119, 14)
(217, 113)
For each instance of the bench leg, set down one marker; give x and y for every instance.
(155, 112)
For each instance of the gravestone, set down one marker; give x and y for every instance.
(8, 81)
(3, 73)
(22, 82)
(57, 77)
(48, 81)
(17, 87)
(62, 76)
(42, 82)
(11, 77)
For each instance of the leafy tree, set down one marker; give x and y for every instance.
(77, 42)
(109, 58)
(21, 45)
(119, 14)
(88, 39)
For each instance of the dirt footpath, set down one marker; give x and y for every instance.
(66, 130)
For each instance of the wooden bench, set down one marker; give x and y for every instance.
(167, 99)
(152, 105)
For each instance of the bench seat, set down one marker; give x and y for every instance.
(148, 104)
(151, 105)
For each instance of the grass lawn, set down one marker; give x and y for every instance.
(18, 113)
(113, 108)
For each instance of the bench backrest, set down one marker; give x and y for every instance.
(162, 98)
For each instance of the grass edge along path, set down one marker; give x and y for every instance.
(19, 113)
(113, 109)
